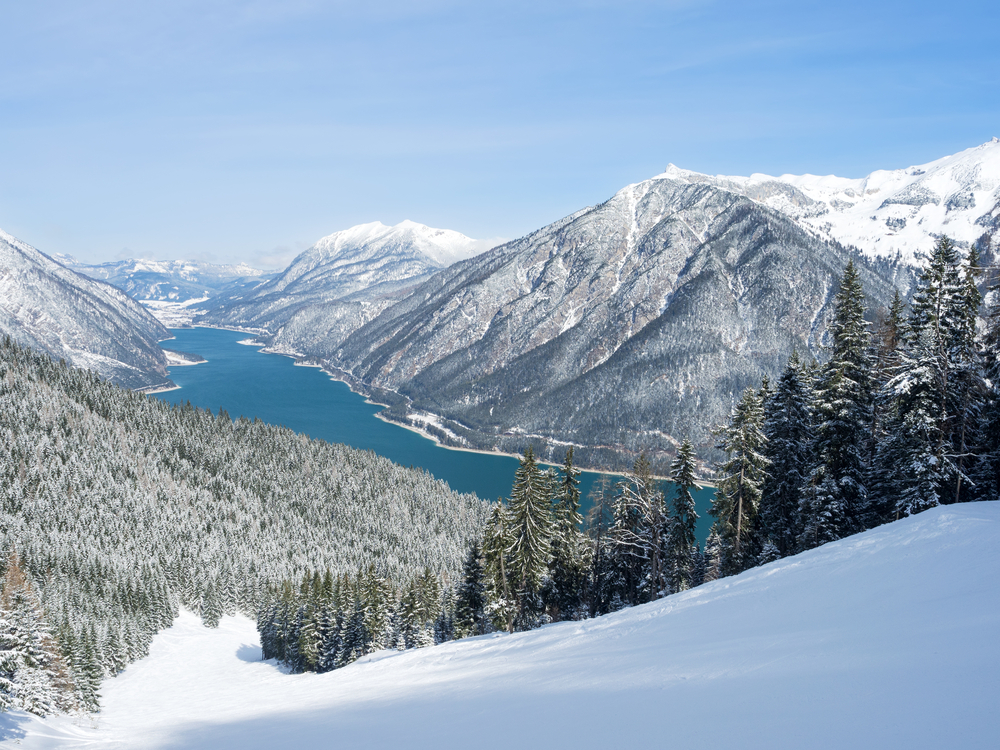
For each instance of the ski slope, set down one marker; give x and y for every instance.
(888, 639)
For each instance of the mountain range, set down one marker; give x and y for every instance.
(621, 328)
(626, 326)
(169, 280)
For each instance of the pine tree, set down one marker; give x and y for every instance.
(884, 480)
(968, 389)
(568, 569)
(713, 556)
(41, 679)
(835, 503)
(988, 471)
(939, 388)
(681, 545)
(470, 600)
(8, 666)
(788, 434)
(600, 520)
(498, 567)
(639, 536)
(531, 533)
(737, 496)
(211, 607)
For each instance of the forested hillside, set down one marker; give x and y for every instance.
(116, 508)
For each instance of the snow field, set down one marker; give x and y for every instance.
(886, 639)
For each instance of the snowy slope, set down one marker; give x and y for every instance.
(889, 211)
(884, 640)
(90, 324)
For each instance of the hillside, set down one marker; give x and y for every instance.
(122, 507)
(90, 324)
(630, 325)
(885, 639)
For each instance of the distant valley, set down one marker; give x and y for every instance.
(622, 328)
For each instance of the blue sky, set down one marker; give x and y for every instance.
(247, 130)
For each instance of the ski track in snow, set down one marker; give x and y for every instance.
(886, 639)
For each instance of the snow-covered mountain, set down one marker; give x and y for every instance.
(90, 324)
(886, 639)
(344, 279)
(169, 280)
(622, 328)
(889, 212)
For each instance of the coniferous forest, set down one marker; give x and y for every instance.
(118, 509)
(904, 415)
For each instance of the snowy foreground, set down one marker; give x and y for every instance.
(888, 639)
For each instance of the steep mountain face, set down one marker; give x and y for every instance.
(341, 282)
(170, 280)
(621, 328)
(52, 309)
(889, 212)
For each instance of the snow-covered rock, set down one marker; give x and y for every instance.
(883, 640)
(90, 324)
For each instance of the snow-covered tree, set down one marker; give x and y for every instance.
(568, 569)
(639, 536)
(681, 546)
(470, 599)
(531, 531)
(835, 501)
(788, 433)
(737, 496)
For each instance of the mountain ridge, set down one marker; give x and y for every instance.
(887, 212)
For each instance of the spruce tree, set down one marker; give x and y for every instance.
(531, 534)
(988, 471)
(836, 499)
(639, 536)
(939, 389)
(884, 472)
(568, 569)
(470, 600)
(498, 568)
(713, 556)
(600, 576)
(737, 496)
(788, 434)
(681, 545)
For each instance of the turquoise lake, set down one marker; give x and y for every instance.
(246, 382)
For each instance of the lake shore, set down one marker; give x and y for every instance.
(337, 375)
